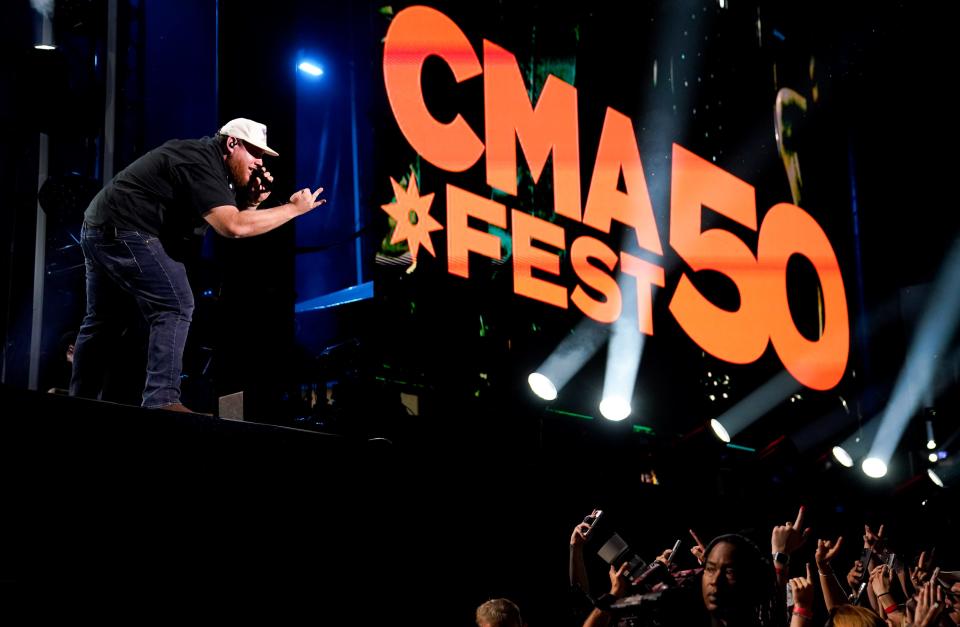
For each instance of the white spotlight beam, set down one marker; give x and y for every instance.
(573, 352)
(623, 354)
(856, 444)
(934, 332)
(758, 403)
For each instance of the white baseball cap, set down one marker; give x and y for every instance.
(251, 132)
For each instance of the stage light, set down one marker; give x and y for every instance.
(937, 481)
(624, 351)
(934, 331)
(310, 68)
(719, 430)
(932, 458)
(614, 408)
(842, 456)
(571, 354)
(854, 447)
(542, 386)
(45, 47)
(874, 467)
(941, 454)
(931, 441)
(825, 430)
(757, 403)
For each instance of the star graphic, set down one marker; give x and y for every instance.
(412, 214)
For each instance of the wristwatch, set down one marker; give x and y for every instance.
(781, 558)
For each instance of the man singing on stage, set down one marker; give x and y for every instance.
(162, 197)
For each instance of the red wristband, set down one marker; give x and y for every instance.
(891, 609)
(802, 611)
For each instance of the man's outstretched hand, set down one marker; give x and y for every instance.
(305, 200)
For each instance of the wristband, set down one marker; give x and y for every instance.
(891, 609)
(802, 612)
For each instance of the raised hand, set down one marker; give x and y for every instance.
(929, 605)
(880, 581)
(698, 550)
(872, 540)
(826, 551)
(788, 537)
(664, 557)
(582, 531)
(579, 535)
(920, 574)
(856, 572)
(305, 200)
(618, 580)
(802, 588)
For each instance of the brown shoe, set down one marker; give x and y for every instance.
(180, 407)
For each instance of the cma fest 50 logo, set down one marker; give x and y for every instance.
(550, 129)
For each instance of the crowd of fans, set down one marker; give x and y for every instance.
(737, 583)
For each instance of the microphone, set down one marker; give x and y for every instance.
(260, 176)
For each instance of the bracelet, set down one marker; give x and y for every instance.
(883, 593)
(802, 612)
(891, 609)
(825, 574)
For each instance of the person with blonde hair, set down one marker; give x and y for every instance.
(499, 613)
(854, 616)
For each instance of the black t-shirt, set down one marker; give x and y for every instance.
(167, 191)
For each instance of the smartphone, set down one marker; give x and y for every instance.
(891, 560)
(673, 552)
(856, 595)
(591, 520)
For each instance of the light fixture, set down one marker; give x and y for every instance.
(937, 481)
(310, 68)
(719, 430)
(568, 358)
(542, 386)
(874, 467)
(931, 441)
(842, 456)
(614, 408)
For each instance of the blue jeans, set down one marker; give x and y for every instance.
(120, 264)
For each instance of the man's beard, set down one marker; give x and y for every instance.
(239, 173)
